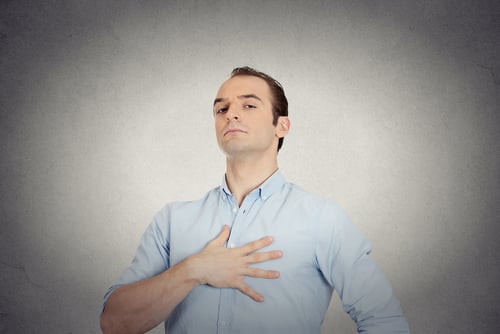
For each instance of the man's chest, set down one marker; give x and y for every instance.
(293, 231)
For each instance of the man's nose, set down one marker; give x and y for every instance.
(233, 112)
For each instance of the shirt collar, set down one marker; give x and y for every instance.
(270, 186)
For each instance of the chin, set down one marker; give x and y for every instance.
(233, 150)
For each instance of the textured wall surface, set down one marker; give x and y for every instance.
(105, 115)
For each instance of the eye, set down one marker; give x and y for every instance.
(249, 106)
(220, 110)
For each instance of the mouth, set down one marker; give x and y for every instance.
(232, 131)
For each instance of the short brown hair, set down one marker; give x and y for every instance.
(279, 101)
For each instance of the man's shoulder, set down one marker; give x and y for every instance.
(319, 201)
(299, 192)
(209, 196)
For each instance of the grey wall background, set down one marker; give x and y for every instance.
(105, 110)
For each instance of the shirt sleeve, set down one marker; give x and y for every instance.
(343, 256)
(151, 257)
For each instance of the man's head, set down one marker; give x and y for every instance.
(278, 98)
(250, 112)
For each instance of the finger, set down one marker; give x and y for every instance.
(264, 256)
(256, 245)
(261, 273)
(221, 239)
(251, 293)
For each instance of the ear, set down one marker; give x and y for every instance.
(282, 127)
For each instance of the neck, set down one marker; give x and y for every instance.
(243, 176)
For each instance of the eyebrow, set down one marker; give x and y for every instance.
(241, 97)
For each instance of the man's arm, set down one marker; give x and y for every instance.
(139, 307)
(343, 254)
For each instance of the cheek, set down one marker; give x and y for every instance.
(267, 131)
(218, 127)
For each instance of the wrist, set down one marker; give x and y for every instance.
(191, 270)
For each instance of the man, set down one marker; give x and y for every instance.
(257, 254)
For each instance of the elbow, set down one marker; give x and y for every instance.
(110, 320)
(106, 324)
(110, 325)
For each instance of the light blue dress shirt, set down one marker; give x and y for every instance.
(322, 251)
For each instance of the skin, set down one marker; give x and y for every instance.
(244, 130)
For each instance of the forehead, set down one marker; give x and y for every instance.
(244, 84)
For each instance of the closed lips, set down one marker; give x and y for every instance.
(232, 130)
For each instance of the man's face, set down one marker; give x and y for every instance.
(243, 117)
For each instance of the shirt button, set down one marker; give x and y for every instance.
(222, 323)
(232, 245)
(234, 210)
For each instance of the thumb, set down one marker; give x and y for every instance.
(221, 239)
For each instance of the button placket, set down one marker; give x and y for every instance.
(233, 237)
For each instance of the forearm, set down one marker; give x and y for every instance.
(139, 307)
